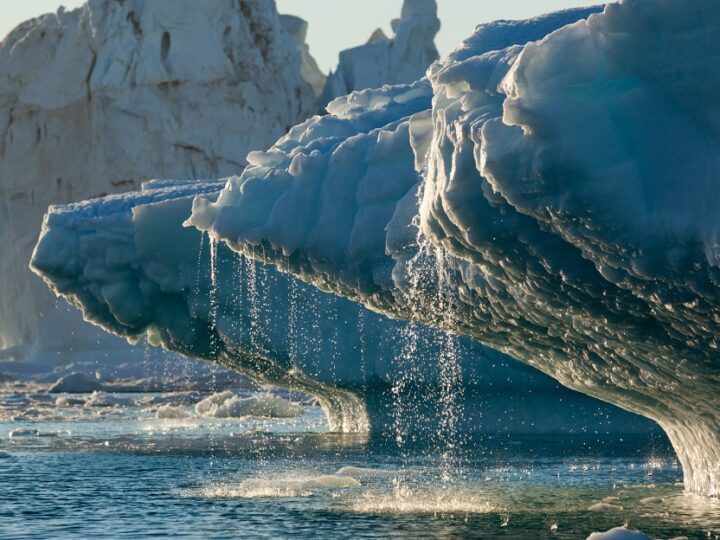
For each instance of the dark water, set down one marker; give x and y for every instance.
(119, 472)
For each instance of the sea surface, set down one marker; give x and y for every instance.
(107, 467)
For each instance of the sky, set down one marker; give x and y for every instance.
(339, 24)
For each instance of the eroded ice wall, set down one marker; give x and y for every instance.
(566, 200)
(95, 100)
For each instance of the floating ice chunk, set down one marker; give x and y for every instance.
(313, 482)
(205, 406)
(168, 412)
(75, 383)
(618, 533)
(604, 507)
(229, 405)
(68, 401)
(365, 471)
(266, 406)
(23, 433)
(283, 487)
(104, 399)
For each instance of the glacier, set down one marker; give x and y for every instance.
(96, 100)
(562, 210)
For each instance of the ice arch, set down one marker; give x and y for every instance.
(566, 195)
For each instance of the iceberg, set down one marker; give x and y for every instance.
(563, 207)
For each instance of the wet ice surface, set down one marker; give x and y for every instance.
(105, 465)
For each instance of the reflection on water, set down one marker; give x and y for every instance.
(112, 468)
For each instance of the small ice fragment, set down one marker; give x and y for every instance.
(20, 433)
(168, 412)
(366, 471)
(604, 507)
(67, 401)
(618, 533)
(229, 405)
(103, 399)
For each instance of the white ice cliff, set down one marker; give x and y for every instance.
(400, 59)
(565, 193)
(95, 100)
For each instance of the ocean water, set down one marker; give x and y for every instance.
(111, 469)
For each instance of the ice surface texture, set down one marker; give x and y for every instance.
(566, 196)
(94, 101)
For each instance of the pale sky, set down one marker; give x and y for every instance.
(339, 24)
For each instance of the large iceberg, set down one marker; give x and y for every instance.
(96, 100)
(400, 59)
(562, 207)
